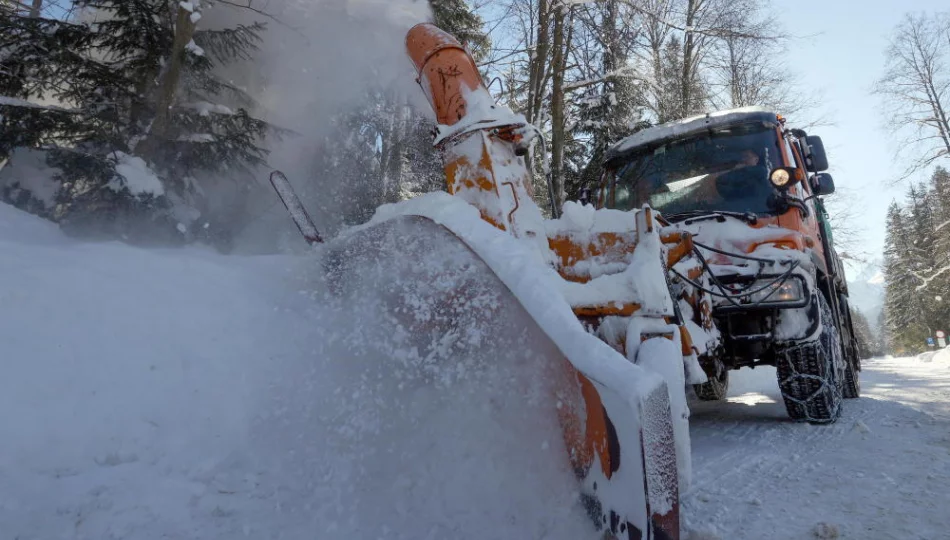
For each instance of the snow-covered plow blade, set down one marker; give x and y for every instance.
(487, 331)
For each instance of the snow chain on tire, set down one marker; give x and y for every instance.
(852, 382)
(811, 374)
(852, 374)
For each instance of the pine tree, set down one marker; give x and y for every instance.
(609, 110)
(938, 283)
(137, 81)
(870, 343)
(902, 305)
(458, 19)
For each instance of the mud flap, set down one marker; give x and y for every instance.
(435, 308)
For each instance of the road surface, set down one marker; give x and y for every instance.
(882, 471)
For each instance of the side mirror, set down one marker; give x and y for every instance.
(816, 159)
(584, 196)
(823, 184)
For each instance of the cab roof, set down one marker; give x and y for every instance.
(678, 129)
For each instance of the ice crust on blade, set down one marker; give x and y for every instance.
(642, 282)
(637, 280)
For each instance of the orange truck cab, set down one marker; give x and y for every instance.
(747, 188)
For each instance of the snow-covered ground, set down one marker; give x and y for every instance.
(185, 394)
(882, 471)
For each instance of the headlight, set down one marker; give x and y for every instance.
(790, 290)
(785, 177)
(780, 177)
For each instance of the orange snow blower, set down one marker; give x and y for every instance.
(591, 290)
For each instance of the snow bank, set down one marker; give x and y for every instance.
(940, 356)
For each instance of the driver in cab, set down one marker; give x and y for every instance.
(747, 178)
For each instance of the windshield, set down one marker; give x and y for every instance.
(724, 169)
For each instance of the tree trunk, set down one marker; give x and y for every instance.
(557, 108)
(184, 30)
(36, 9)
(397, 154)
(538, 74)
(686, 84)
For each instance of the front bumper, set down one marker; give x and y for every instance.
(752, 327)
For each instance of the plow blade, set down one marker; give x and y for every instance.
(450, 335)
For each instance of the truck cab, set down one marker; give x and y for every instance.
(747, 188)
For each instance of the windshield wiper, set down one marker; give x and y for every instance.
(719, 215)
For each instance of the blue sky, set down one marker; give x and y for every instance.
(843, 58)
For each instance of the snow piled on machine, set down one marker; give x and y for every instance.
(732, 235)
(638, 279)
(531, 280)
(547, 298)
(185, 394)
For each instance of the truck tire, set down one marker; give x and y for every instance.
(715, 389)
(811, 373)
(852, 381)
(852, 374)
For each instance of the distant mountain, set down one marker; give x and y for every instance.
(866, 290)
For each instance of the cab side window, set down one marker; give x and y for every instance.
(796, 158)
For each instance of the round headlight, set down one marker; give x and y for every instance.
(780, 178)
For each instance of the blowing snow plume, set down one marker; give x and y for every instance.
(341, 66)
(427, 410)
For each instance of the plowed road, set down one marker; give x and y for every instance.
(882, 471)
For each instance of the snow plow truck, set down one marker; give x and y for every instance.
(619, 301)
(746, 188)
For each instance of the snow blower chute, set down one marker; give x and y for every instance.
(589, 290)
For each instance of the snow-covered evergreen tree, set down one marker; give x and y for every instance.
(457, 18)
(902, 302)
(608, 108)
(869, 342)
(917, 264)
(142, 113)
